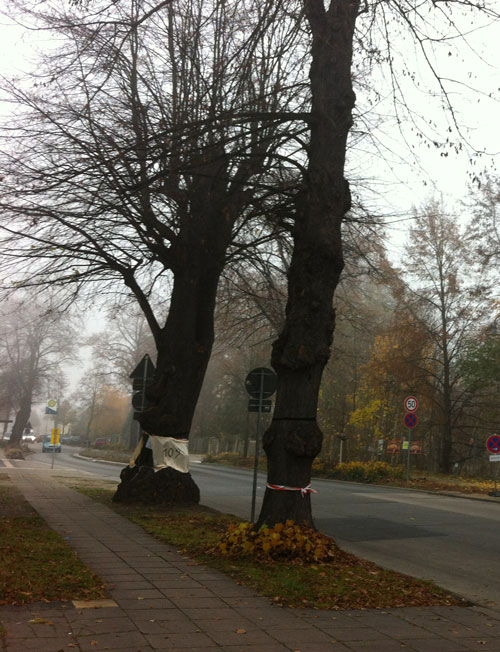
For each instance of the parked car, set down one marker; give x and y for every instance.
(29, 439)
(48, 447)
(100, 442)
(71, 440)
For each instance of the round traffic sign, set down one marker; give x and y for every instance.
(493, 444)
(261, 380)
(411, 403)
(410, 420)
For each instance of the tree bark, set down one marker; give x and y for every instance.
(303, 348)
(22, 418)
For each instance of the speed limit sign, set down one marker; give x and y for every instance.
(411, 404)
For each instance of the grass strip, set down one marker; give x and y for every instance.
(37, 563)
(345, 583)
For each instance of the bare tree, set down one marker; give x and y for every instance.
(148, 151)
(119, 347)
(34, 343)
(448, 295)
(303, 347)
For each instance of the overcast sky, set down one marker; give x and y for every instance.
(397, 179)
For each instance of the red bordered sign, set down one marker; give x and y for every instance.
(411, 403)
(410, 420)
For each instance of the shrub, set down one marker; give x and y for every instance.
(14, 453)
(367, 471)
(233, 459)
(286, 542)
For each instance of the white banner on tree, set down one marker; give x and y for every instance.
(168, 451)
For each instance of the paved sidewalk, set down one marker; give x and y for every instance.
(163, 601)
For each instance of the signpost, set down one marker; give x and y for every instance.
(393, 446)
(51, 406)
(410, 421)
(55, 440)
(493, 445)
(260, 384)
(141, 376)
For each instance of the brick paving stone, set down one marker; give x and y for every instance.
(103, 626)
(380, 646)
(145, 603)
(204, 614)
(156, 614)
(39, 645)
(197, 649)
(94, 614)
(409, 632)
(251, 637)
(112, 641)
(273, 618)
(177, 583)
(186, 640)
(435, 645)
(245, 602)
(199, 603)
(274, 647)
(127, 584)
(160, 573)
(137, 594)
(355, 633)
(185, 594)
(490, 613)
(327, 619)
(167, 626)
(300, 636)
(483, 643)
(454, 630)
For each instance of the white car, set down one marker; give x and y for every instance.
(29, 439)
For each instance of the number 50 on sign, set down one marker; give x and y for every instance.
(411, 403)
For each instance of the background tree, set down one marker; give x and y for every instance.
(157, 145)
(447, 295)
(34, 343)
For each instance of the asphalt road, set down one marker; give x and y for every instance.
(452, 541)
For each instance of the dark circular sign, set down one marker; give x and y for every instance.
(410, 420)
(261, 382)
(493, 444)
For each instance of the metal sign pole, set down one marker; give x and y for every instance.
(257, 440)
(53, 442)
(408, 456)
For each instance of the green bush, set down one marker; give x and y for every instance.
(367, 471)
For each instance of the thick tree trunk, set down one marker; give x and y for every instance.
(22, 418)
(303, 348)
(184, 346)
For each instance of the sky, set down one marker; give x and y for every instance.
(398, 180)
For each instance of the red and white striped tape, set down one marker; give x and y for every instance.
(303, 490)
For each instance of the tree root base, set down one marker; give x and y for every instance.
(142, 484)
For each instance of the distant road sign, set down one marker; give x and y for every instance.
(410, 420)
(494, 458)
(411, 403)
(51, 406)
(393, 446)
(254, 405)
(493, 444)
(261, 380)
